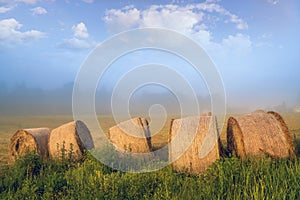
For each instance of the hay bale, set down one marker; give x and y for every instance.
(200, 151)
(289, 137)
(70, 140)
(29, 140)
(259, 134)
(131, 136)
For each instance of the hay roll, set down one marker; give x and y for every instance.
(29, 140)
(131, 136)
(259, 134)
(289, 137)
(70, 139)
(181, 140)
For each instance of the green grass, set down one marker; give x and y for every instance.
(228, 178)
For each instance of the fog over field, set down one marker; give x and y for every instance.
(23, 100)
(254, 46)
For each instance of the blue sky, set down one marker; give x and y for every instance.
(254, 43)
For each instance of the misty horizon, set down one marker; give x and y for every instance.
(23, 100)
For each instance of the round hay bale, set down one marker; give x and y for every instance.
(70, 140)
(29, 140)
(259, 134)
(289, 137)
(199, 152)
(131, 136)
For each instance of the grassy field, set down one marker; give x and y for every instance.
(228, 178)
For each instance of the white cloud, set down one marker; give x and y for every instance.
(212, 7)
(88, 1)
(80, 30)
(203, 37)
(240, 24)
(32, 2)
(79, 40)
(274, 2)
(192, 20)
(123, 19)
(173, 17)
(10, 34)
(76, 44)
(212, 1)
(20, 1)
(28, 1)
(4, 9)
(168, 16)
(38, 11)
(181, 18)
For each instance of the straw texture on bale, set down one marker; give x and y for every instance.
(200, 151)
(259, 134)
(70, 139)
(289, 137)
(29, 140)
(131, 136)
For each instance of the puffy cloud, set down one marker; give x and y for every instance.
(88, 1)
(181, 18)
(167, 16)
(4, 9)
(10, 34)
(38, 11)
(212, 7)
(192, 20)
(173, 17)
(240, 24)
(80, 30)
(79, 40)
(123, 19)
(212, 1)
(203, 37)
(274, 2)
(27, 1)
(20, 1)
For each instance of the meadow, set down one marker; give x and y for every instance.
(229, 178)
